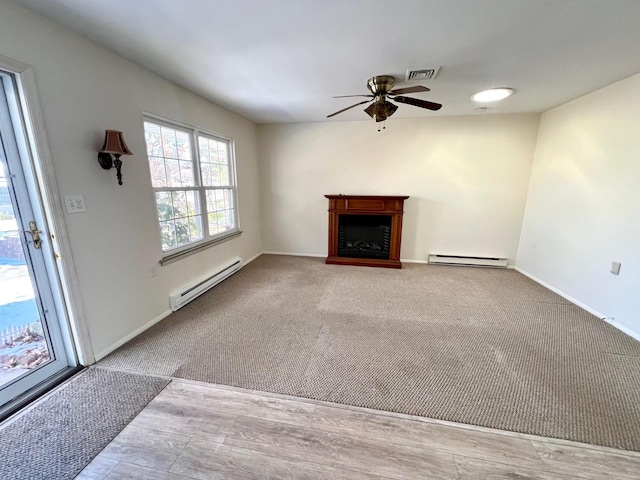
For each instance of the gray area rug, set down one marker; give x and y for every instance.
(478, 346)
(59, 436)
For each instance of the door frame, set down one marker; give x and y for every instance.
(61, 274)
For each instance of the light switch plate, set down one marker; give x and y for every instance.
(615, 268)
(75, 204)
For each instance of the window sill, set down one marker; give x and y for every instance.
(172, 257)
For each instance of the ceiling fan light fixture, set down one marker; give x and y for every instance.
(492, 95)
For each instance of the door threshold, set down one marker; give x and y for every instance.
(37, 391)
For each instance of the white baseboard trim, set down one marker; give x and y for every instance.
(622, 328)
(600, 315)
(133, 334)
(562, 294)
(247, 262)
(315, 255)
(409, 260)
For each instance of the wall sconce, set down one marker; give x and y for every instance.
(113, 144)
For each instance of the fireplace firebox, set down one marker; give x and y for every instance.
(365, 230)
(364, 236)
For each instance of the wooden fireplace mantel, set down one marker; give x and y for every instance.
(366, 205)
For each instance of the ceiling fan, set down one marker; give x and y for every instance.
(381, 108)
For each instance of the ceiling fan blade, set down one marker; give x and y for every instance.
(346, 96)
(415, 89)
(418, 103)
(348, 108)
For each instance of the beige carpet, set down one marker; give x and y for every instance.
(479, 346)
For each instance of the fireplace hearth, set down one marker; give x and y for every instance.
(365, 230)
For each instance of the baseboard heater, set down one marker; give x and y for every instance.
(188, 293)
(468, 261)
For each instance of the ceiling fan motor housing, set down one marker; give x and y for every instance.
(382, 84)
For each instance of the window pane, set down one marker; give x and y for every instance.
(220, 200)
(165, 207)
(203, 148)
(173, 173)
(183, 146)
(214, 162)
(221, 215)
(205, 169)
(186, 174)
(222, 154)
(212, 151)
(170, 156)
(179, 200)
(158, 174)
(189, 229)
(180, 217)
(229, 220)
(169, 147)
(193, 207)
(224, 176)
(195, 227)
(182, 231)
(153, 139)
(167, 230)
(215, 175)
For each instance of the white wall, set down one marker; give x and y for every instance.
(84, 90)
(583, 210)
(467, 178)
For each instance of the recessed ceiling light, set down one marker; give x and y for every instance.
(492, 95)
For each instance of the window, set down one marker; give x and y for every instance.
(195, 193)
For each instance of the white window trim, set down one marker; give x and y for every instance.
(174, 254)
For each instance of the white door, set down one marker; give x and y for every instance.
(33, 348)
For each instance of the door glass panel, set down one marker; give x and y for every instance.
(34, 340)
(23, 340)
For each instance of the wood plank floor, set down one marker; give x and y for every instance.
(200, 431)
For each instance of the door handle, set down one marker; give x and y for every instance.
(34, 232)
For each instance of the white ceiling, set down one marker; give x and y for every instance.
(276, 61)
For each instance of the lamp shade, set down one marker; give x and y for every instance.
(114, 143)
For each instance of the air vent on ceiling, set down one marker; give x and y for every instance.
(422, 73)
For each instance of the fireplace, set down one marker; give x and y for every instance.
(364, 236)
(365, 230)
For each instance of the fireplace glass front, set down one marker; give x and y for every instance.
(364, 236)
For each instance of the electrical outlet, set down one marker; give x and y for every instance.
(615, 268)
(75, 204)
(152, 271)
